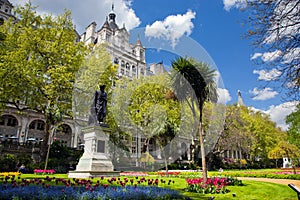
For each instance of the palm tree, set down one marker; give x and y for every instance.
(194, 83)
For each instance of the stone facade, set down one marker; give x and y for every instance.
(5, 10)
(129, 57)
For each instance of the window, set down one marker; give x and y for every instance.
(12, 121)
(32, 125)
(2, 121)
(116, 61)
(122, 63)
(40, 125)
(133, 149)
(127, 66)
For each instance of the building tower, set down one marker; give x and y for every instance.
(5, 10)
(130, 58)
(240, 101)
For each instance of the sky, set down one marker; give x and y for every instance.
(216, 25)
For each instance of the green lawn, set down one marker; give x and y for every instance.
(250, 190)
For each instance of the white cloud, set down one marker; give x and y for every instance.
(267, 75)
(278, 113)
(172, 28)
(223, 95)
(256, 55)
(85, 12)
(264, 94)
(270, 56)
(228, 4)
(267, 56)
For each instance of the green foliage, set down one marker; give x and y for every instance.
(8, 163)
(39, 60)
(62, 157)
(252, 132)
(284, 149)
(293, 120)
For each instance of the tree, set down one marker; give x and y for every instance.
(293, 120)
(235, 136)
(159, 115)
(274, 27)
(191, 77)
(39, 60)
(285, 149)
(250, 132)
(148, 106)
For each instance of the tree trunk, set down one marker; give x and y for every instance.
(44, 145)
(50, 136)
(204, 170)
(166, 163)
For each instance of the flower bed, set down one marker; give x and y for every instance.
(171, 173)
(277, 174)
(214, 185)
(70, 193)
(10, 174)
(134, 174)
(42, 171)
(93, 188)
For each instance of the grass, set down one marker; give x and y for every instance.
(250, 190)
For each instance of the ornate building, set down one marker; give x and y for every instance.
(5, 10)
(129, 57)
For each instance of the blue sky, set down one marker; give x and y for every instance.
(215, 24)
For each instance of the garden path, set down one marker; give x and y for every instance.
(271, 180)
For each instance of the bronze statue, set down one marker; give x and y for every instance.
(98, 109)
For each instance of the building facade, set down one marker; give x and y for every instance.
(129, 57)
(5, 10)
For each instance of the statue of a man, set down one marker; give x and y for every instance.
(100, 103)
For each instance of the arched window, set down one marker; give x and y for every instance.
(8, 120)
(37, 125)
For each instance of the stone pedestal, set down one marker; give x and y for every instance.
(94, 161)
